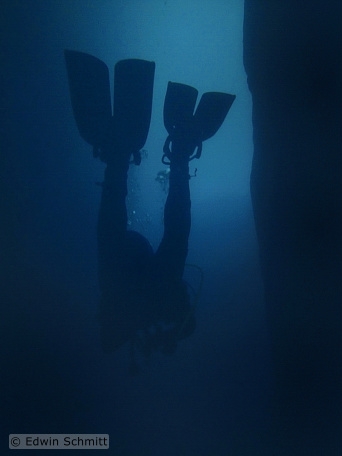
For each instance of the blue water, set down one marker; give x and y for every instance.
(211, 397)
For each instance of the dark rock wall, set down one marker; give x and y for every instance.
(293, 60)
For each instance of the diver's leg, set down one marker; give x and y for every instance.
(172, 252)
(171, 291)
(111, 234)
(112, 223)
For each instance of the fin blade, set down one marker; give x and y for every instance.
(90, 95)
(179, 105)
(133, 94)
(211, 112)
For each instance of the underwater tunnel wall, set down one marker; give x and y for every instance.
(293, 60)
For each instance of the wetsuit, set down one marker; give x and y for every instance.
(139, 287)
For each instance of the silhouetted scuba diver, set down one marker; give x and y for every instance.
(143, 296)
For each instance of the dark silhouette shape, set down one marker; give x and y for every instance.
(293, 61)
(143, 296)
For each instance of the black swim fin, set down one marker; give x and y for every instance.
(127, 130)
(189, 127)
(211, 112)
(179, 106)
(90, 96)
(133, 92)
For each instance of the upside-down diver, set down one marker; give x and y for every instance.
(144, 298)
